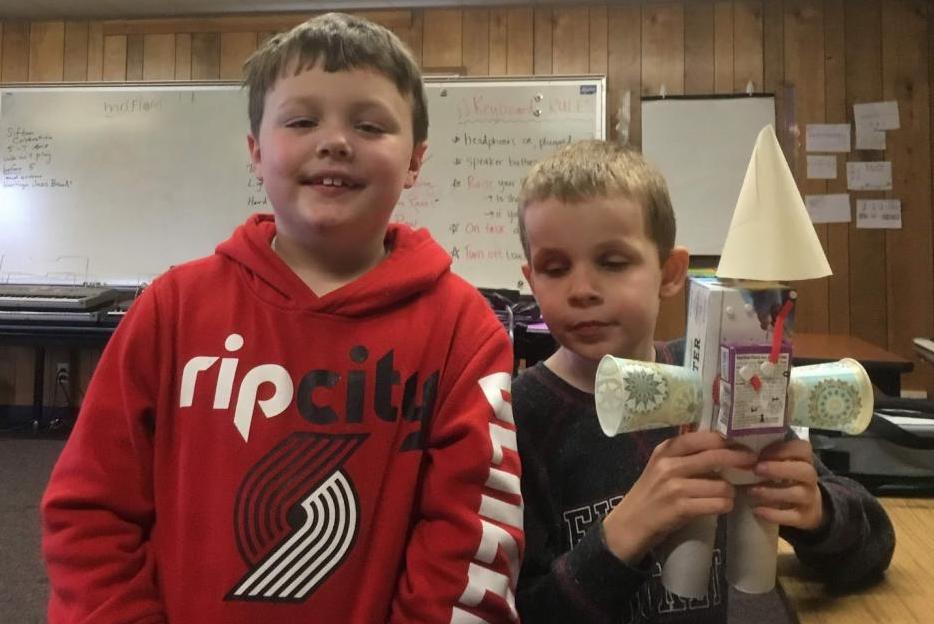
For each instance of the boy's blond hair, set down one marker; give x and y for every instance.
(341, 42)
(593, 168)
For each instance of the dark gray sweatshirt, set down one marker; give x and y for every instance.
(573, 475)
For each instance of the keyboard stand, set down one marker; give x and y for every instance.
(42, 337)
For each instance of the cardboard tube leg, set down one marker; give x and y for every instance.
(752, 547)
(686, 558)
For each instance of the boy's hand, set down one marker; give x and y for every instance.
(679, 483)
(790, 495)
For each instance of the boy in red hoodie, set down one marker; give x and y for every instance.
(313, 424)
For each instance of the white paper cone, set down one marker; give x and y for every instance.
(752, 547)
(686, 558)
(771, 236)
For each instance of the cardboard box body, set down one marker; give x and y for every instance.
(721, 313)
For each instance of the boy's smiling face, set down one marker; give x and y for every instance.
(596, 275)
(334, 151)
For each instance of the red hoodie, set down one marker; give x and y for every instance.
(250, 452)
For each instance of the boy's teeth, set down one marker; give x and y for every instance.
(332, 182)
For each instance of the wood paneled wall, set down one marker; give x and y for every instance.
(817, 56)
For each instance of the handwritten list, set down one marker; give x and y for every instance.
(28, 160)
(468, 191)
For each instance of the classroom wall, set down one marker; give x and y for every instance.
(817, 56)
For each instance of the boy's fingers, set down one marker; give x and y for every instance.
(785, 517)
(796, 471)
(779, 497)
(790, 449)
(694, 442)
(693, 507)
(711, 461)
(706, 488)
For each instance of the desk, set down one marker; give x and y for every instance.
(905, 595)
(925, 348)
(885, 368)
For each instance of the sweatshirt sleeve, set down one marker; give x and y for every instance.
(585, 584)
(97, 510)
(463, 554)
(857, 540)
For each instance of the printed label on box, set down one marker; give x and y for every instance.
(752, 392)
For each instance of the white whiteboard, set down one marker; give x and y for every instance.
(702, 146)
(114, 184)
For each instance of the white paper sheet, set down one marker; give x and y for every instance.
(832, 208)
(878, 115)
(869, 176)
(869, 138)
(879, 214)
(822, 167)
(827, 137)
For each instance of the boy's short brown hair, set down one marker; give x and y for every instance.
(593, 168)
(341, 42)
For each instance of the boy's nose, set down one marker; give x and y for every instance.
(582, 289)
(334, 145)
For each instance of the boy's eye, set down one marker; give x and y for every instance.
(370, 128)
(301, 122)
(554, 269)
(614, 264)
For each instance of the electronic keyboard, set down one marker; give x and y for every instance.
(46, 298)
(119, 310)
(52, 316)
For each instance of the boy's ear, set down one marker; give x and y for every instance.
(255, 156)
(674, 271)
(527, 273)
(415, 164)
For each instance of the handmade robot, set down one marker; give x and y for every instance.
(737, 376)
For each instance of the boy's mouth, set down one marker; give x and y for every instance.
(588, 325)
(332, 181)
(589, 331)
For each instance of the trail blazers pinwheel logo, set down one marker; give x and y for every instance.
(296, 517)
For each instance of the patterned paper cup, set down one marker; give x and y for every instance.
(835, 395)
(633, 395)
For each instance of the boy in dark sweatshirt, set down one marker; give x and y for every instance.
(598, 231)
